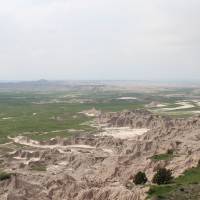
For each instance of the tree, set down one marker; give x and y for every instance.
(4, 176)
(140, 178)
(163, 176)
(170, 151)
(198, 165)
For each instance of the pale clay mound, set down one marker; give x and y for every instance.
(180, 106)
(183, 105)
(155, 104)
(91, 113)
(160, 105)
(7, 118)
(103, 171)
(123, 132)
(127, 98)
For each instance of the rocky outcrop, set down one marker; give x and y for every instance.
(146, 119)
(92, 167)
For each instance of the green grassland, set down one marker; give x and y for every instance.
(191, 178)
(39, 116)
(45, 114)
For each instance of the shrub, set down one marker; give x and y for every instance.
(198, 165)
(163, 176)
(4, 176)
(170, 151)
(140, 178)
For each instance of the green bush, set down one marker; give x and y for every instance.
(140, 178)
(170, 151)
(4, 176)
(198, 165)
(163, 176)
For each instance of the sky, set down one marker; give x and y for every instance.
(100, 39)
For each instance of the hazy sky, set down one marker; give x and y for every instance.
(99, 39)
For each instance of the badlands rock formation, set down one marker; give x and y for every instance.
(96, 167)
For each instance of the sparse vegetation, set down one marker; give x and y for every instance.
(166, 156)
(37, 166)
(140, 178)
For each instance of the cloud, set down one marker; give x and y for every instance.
(107, 39)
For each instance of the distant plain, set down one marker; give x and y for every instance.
(42, 111)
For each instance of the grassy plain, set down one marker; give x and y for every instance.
(46, 114)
